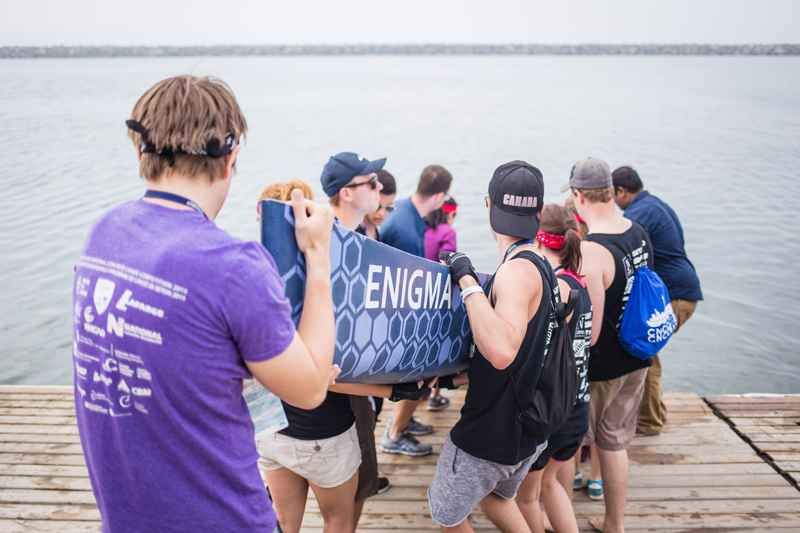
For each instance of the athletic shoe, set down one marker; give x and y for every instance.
(578, 482)
(418, 428)
(596, 489)
(405, 443)
(437, 403)
(414, 427)
(383, 484)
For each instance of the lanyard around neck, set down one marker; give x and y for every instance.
(174, 198)
(515, 246)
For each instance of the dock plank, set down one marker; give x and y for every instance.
(45, 482)
(25, 511)
(48, 526)
(46, 496)
(40, 459)
(43, 470)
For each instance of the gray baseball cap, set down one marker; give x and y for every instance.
(589, 173)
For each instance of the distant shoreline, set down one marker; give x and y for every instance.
(36, 52)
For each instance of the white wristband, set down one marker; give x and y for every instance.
(469, 290)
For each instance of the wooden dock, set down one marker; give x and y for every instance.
(699, 474)
(770, 423)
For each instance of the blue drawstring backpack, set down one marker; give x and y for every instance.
(648, 320)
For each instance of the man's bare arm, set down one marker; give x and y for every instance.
(498, 332)
(362, 389)
(597, 260)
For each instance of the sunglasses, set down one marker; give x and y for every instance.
(373, 183)
(486, 199)
(389, 208)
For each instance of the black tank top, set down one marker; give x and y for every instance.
(488, 428)
(580, 329)
(630, 249)
(333, 417)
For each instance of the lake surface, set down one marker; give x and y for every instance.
(718, 138)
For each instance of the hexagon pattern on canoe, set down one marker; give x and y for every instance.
(373, 345)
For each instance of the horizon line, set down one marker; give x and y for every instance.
(69, 51)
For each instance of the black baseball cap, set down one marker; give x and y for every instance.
(516, 191)
(343, 167)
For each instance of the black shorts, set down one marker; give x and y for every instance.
(564, 443)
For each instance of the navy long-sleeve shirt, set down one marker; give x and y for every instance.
(404, 229)
(669, 254)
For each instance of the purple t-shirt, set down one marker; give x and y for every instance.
(441, 239)
(166, 309)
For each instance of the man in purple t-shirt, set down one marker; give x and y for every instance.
(171, 314)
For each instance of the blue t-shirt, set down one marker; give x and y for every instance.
(666, 236)
(404, 229)
(167, 308)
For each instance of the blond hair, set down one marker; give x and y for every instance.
(283, 192)
(184, 113)
(593, 196)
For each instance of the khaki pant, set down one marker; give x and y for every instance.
(613, 406)
(653, 411)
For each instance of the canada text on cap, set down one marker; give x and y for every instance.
(516, 191)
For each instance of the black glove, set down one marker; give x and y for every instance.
(408, 391)
(459, 264)
(446, 382)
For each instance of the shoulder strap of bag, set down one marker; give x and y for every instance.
(573, 275)
(613, 327)
(562, 309)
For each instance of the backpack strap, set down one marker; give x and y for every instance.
(612, 326)
(573, 275)
(561, 309)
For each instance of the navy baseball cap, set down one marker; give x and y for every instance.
(516, 191)
(342, 168)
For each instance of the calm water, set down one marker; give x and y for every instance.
(718, 138)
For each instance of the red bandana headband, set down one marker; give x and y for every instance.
(552, 241)
(579, 219)
(450, 208)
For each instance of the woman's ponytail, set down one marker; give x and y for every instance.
(570, 254)
(559, 221)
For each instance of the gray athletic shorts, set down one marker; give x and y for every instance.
(462, 480)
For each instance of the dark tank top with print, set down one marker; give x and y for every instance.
(580, 331)
(631, 250)
(488, 428)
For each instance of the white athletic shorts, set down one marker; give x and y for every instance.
(326, 463)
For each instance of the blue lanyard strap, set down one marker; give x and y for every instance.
(174, 198)
(515, 246)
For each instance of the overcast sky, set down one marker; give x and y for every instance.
(206, 22)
